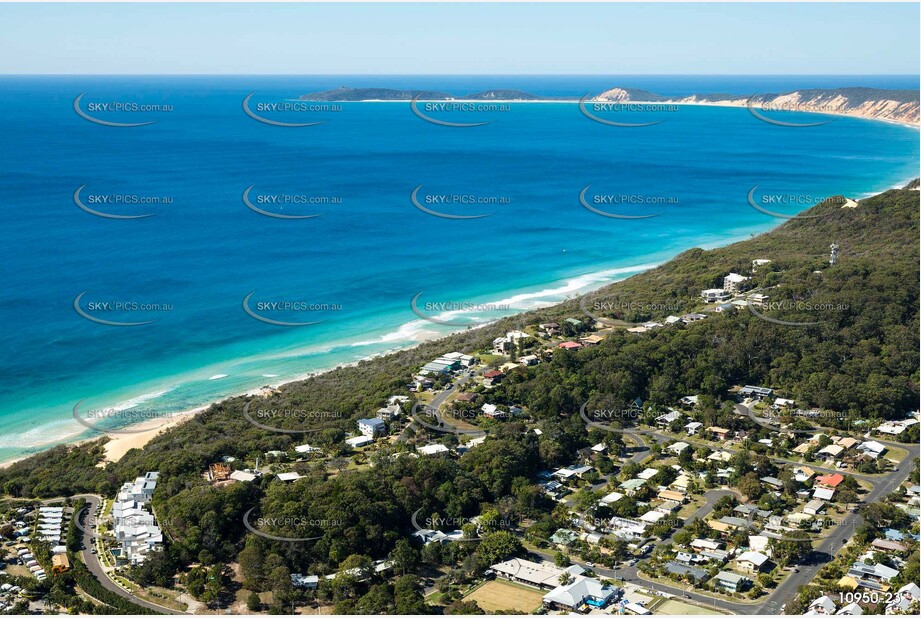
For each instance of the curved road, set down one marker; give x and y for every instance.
(95, 567)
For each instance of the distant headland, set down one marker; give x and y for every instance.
(892, 105)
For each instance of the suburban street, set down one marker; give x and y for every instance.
(882, 485)
(95, 566)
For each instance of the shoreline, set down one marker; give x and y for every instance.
(903, 123)
(120, 441)
(144, 431)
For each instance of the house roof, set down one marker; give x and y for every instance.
(574, 594)
(728, 576)
(680, 569)
(825, 602)
(756, 558)
(823, 493)
(887, 545)
(830, 480)
(881, 571)
(539, 573)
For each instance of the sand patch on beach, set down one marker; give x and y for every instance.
(142, 433)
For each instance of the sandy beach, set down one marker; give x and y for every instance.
(728, 103)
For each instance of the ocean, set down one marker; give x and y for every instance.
(347, 277)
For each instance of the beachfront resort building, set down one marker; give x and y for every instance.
(134, 525)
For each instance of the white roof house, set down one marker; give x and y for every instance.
(832, 450)
(822, 605)
(243, 476)
(732, 280)
(540, 574)
(359, 441)
(135, 527)
(575, 593)
(611, 498)
(851, 609)
(872, 448)
(432, 449)
(752, 559)
(287, 477)
(679, 447)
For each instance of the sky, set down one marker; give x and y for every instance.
(368, 39)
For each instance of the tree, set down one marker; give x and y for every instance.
(404, 556)
(496, 547)
(561, 560)
(407, 596)
(253, 603)
(750, 486)
(682, 537)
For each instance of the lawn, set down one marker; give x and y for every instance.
(673, 607)
(501, 595)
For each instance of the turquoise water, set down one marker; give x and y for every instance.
(372, 250)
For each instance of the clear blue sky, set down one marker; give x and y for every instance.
(780, 38)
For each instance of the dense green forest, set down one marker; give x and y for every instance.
(860, 358)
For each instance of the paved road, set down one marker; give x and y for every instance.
(439, 400)
(828, 548)
(95, 567)
(882, 485)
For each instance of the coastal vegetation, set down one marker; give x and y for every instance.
(857, 355)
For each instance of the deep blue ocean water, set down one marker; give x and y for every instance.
(372, 250)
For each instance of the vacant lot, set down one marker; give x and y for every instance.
(499, 595)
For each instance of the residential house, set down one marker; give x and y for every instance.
(678, 447)
(371, 427)
(581, 592)
(714, 295)
(905, 599)
(492, 377)
(680, 570)
(802, 474)
(570, 471)
(752, 562)
(492, 411)
(821, 606)
(830, 480)
(757, 393)
(872, 449)
(390, 412)
(732, 281)
(674, 496)
(538, 574)
(692, 428)
(888, 546)
(309, 582)
(814, 507)
(432, 449)
(872, 575)
(731, 582)
(359, 441)
(664, 420)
